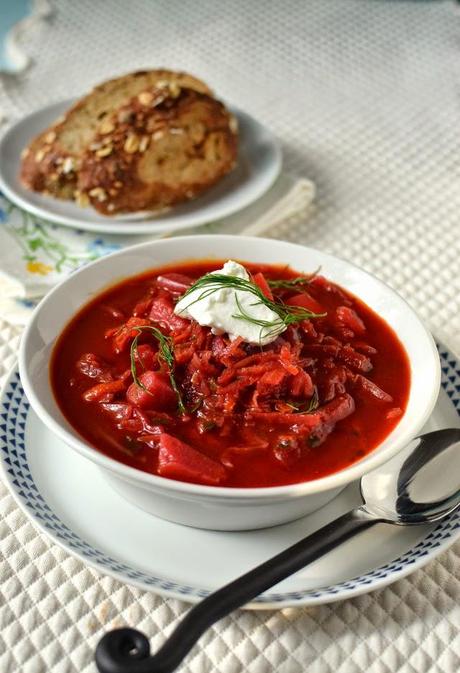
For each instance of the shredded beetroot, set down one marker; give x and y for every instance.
(104, 392)
(175, 283)
(162, 313)
(319, 397)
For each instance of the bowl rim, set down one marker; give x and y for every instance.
(329, 482)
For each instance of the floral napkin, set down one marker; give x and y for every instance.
(36, 255)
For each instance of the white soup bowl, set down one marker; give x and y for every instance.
(212, 507)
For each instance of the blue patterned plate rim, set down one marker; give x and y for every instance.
(14, 410)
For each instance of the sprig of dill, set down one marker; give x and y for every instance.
(165, 353)
(293, 283)
(309, 408)
(213, 282)
(277, 326)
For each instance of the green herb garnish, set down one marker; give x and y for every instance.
(213, 282)
(165, 353)
(314, 403)
(293, 283)
(209, 425)
(277, 326)
(307, 408)
(196, 406)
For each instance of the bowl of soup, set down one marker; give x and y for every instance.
(229, 382)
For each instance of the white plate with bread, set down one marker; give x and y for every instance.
(147, 152)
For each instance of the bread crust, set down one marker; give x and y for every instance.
(51, 162)
(166, 146)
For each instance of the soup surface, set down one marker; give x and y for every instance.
(161, 393)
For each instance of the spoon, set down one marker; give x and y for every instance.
(421, 484)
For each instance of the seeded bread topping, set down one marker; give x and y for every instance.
(115, 149)
(167, 145)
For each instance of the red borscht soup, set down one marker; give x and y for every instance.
(160, 392)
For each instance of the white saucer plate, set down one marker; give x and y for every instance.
(67, 497)
(259, 164)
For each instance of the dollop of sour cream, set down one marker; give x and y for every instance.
(218, 309)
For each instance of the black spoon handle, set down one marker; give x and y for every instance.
(128, 651)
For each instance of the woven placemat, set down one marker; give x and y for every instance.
(364, 97)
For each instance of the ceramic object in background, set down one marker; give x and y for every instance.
(17, 18)
(220, 507)
(259, 164)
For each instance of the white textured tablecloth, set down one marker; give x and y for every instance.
(365, 97)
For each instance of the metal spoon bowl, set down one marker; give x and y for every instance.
(419, 485)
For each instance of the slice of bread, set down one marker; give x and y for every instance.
(51, 162)
(167, 145)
